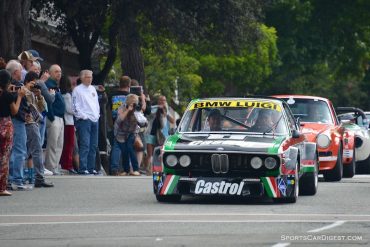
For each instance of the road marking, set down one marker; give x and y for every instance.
(335, 224)
(281, 245)
(183, 214)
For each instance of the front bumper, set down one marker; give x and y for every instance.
(273, 187)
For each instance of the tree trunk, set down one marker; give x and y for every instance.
(14, 27)
(132, 61)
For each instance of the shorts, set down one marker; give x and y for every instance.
(150, 139)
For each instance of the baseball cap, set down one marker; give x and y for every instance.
(26, 55)
(36, 55)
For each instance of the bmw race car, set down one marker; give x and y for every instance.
(319, 123)
(355, 120)
(237, 147)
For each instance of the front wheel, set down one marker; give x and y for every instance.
(169, 198)
(308, 183)
(336, 173)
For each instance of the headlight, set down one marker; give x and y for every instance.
(256, 162)
(270, 163)
(323, 141)
(185, 160)
(171, 160)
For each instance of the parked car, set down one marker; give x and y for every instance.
(354, 119)
(226, 147)
(320, 124)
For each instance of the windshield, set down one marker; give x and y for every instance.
(310, 110)
(245, 116)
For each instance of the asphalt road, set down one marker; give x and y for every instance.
(122, 211)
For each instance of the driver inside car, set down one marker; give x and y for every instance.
(214, 120)
(264, 122)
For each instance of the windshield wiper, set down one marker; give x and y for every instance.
(273, 126)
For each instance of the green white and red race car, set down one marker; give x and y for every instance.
(245, 155)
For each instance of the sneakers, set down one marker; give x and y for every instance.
(21, 187)
(72, 171)
(93, 172)
(43, 183)
(85, 173)
(135, 173)
(47, 172)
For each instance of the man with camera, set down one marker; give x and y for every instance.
(87, 112)
(19, 149)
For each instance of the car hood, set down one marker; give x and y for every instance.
(224, 142)
(315, 128)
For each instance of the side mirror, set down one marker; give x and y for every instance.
(296, 134)
(298, 121)
(172, 131)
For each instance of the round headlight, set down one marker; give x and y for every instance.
(171, 160)
(323, 141)
(270, 163)
(256, 162)
(185, 160)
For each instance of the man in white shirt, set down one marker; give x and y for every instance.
(87, 112)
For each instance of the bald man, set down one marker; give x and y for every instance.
(54, 121)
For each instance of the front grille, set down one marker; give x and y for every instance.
(203, 164)
(324, 154)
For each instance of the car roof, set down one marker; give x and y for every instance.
(298, 96)
(266, 98)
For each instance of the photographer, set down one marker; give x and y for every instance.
(158, 129)
(8, 107)
(125, 131)
(36, 104)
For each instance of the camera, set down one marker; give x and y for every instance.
(138, 90)
(37, 86)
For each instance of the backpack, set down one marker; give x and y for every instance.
(117, 101)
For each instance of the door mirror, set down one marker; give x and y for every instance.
(296, 134)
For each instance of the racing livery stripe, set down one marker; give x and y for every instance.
(275, 147)
(271, 192)
(172, 185)
(166, 182)
(307, 168)
(171, 141)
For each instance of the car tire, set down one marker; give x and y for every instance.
(309, 182)
(336, 173)
(294, 198)
(169, 198)
(350, 170)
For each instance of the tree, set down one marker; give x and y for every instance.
(14, 27)
(323, 47)
(83, 22)
(228, 23)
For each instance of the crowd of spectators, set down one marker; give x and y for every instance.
(49, 127)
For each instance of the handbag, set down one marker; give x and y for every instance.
(160, 137)
(36, 115)
(138, 144)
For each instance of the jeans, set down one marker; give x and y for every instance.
(115, 157)
(34, 149)
(19, 152)
(42, 127)
(87, 132)
(128, 153)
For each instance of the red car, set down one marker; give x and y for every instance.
(320, 124)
